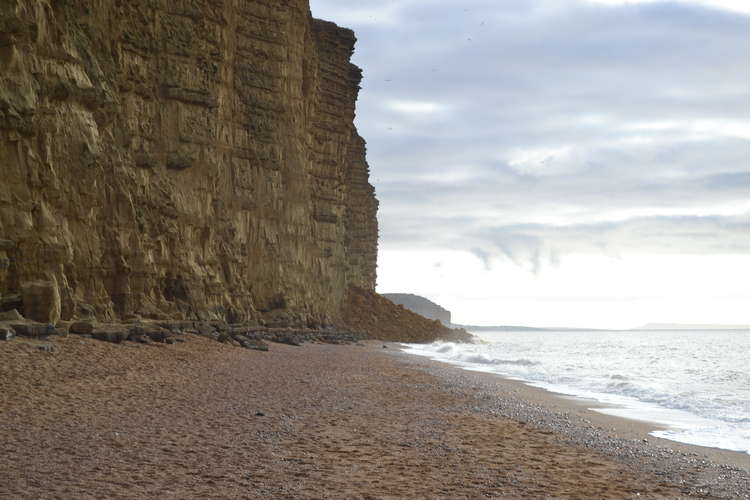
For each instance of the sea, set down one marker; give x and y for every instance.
(694, 383)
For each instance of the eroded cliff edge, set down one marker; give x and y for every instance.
(191, 159)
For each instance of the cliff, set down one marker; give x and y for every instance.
(191, 159)
(421, 306)
(378, 317)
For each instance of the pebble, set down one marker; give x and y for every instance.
(6, 334)
(46, 348)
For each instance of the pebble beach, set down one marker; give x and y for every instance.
(200, 419)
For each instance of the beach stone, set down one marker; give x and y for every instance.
(6, 334)
(12, 315)
(205, 329)
(33, 330)
(81, 327)
(46, 348)
(153, 332)
(254, 344)
(111, 334)
(287, 339)
(41, 301)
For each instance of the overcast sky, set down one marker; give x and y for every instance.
(559, 162)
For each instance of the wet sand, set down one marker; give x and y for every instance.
(202, 419)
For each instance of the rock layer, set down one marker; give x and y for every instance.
(185, 159)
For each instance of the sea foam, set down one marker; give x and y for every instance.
(693, 382)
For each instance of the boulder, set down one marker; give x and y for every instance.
(111, 334)
(33, 330)
(41, 301)
(6, 333)
(153, 332)
(287, 339)
(256, 345)
(82, 328)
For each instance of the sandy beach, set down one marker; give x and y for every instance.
(203, 419)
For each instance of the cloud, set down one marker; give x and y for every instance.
(734, 5)
(529, 130)
(414, 107)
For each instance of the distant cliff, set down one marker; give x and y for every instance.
(421, 306)
(184, 159)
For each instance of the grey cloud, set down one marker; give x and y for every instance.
(542, 75)
(534, 246)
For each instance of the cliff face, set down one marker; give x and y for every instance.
(421, 306)
(192, 159)
(378, 317)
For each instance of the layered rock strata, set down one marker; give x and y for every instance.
(183, 159)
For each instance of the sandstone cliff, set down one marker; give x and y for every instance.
(420, 305)
(188, 159)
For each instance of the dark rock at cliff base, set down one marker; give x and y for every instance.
(33, 330)
(256, 345)
(111, 334)
(81, 327)
(287, 339)
(154, 332)
(6, 334)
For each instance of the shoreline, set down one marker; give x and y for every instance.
(202, 419)
(624, 439)
(630, 428)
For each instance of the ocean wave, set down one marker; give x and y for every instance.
(486, 360)
(697, 388)
(461, 353)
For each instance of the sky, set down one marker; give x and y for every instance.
(559, 162)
